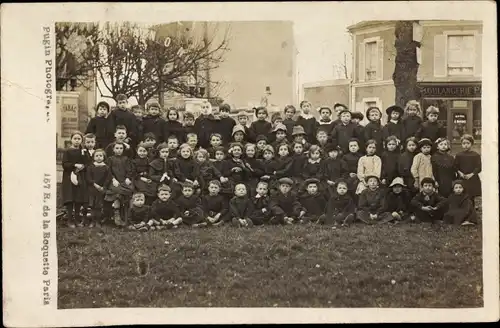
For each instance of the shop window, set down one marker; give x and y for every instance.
(476, 119)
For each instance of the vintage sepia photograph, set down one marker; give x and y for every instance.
(215, 163)
(195, 170)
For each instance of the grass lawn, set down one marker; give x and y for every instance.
(294, 266)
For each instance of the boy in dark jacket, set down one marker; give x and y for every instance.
(390, 158)
(333, 165)
(240, 207)
(289, 111)
(373, 130)
(164, 211)
(153, 123)
(394, 126)
(344, 131)
(428, 205)
(284, 205)
(412, 122)
(371, 203)
(397, 201)
(190, 206)
(313, 202)
(215, 206)
(227, 124)
(98, 125)
(120, 138)
(138, 212)
(460, 206)
(432, 129)
(261, 205)
(340, 208)
(204, 124)
(121, 116)
(325, 120)
(350, 165)
(187, 126)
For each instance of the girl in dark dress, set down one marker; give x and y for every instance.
(185, 167)
(390, 158)
(373, 130)
(412, 122)
(161, 170)
(443, 167)
(260, 126)
(313, 167)
(98, 125)
(74, 184)
(261, 205)
(254, 165)
(234, 167)
(121, 188)
(204, 125)
(468, 166)
(268, 167)
(205, 170)
(405, 162)
(219, 163)
(333, 167)
(283, 162)
(307, 121)
(142, 180)
(394, 126)
(298, 161)
(172, 125)
(289, 111)
(432, 129)
(98, 180)
(460, 207)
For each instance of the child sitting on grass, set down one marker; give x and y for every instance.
(164, 211)
(340, 208)
(397, 201)
(313, 202)
(284, 204)
(190, 206)
(428, 205)
(240, 207)
(214, 205)
(261, 211)
(371, 203)
(138, 212)
(460, 207)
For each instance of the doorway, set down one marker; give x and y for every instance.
(460, 118)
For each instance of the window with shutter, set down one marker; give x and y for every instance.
(460, 54)
(380, 60)
(478, 50)
(439, 55)
(371, 60)
(361, 62)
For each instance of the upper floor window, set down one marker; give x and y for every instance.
(461, 54)
(371, 60)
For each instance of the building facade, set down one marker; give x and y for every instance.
(327, 93)
(449, 75)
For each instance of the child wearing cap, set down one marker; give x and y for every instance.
(259, 126)
(421, 167)
(412, 122)
(397, 200)
(371, 203)
(432, 129)
(284, 204)
(240, 134)
(390, 157)
(368, 165)
(443, 167)
(394, 126)
(98, 125)
(164, 211)
(373, 130)
(299, 135)
(240, 207)
(172, 126)
(350, 163)
(325, 119)
(161, 169)
(280, 135)
(307, 121)
(261, 205)
(356, 118)
(428, 205)
(121, 116)
(261, 142)
(405, 162)
(344, 130)
(460, 207)
(189, 204)
(215, 206)
(153, 123)
(340, 208)
(468, 165)
(226, 124)
(333, 165)
(187, 125)
(313, 202)
(289, 111)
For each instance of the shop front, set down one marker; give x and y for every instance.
(459, 107)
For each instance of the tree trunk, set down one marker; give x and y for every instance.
(406, 65)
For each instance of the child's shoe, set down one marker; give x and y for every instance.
(177, 221)
(80, 224)
(467, 223)
(152, 228)
(218, 223)
(349, 219)
(118, 219)
(164, 222)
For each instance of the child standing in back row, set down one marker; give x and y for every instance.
(468, 166)
(373, 130)
(98, 125)
(260, 126)
(307, 121)
(412, 122)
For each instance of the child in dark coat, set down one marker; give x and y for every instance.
(340, 208)
(261, 143)
(268, 166)
(172, 126)
(215, 206)
(283, 162)
(333, 166)
(98, 125)
(344, 131)
(390, 158)
(468, 166)
(139, 212)
(432, 129)
(356, 118)
(313, 202)
(142, 180)
(280, 135)
(289, 111)
(149, 143)
(443, 167)
(98, 180)
(371, 203)
(460, 207)
(397, 201)
(240, 134)
(235, 168)
(161, 169)
(204, 125)
(120, 138)
(394, 126)
(299, 135)
(190, 207)
(350, 162)
(261, 205)
(227, 124)
(240, 207)
(173, 145)
(373, 130)
(314, 166)
(153, 123)
(325, 120)
(138, 112)
(205, 170)
(405, 162)
(284, 204)
(307, 121)
(260, 126)
(164, 211)
(185, 168)
(298, 161)
(322, 140)
(187, 126)
(412, 122)
(121, 116)
(215, 142)
(428, 205)
(254, 166)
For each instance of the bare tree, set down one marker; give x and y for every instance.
(406, 65)
(340, 69)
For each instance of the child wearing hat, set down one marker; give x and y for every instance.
(187, 125)
(261, 205)
(394, 126)
(214, 205)
(356, 118)
(190, 207)
(240, 207)
(371, 203)
(279, 135)
(153, 123)
(284, 204)
(313, 202)
(390, 157)
(460, 207)
(421, 167)
(344, 130)
(468, 165)
(432, 129)
(340, 208)
(428, 205)
(397, 200)
(98, 125)
(299, 135)
(443, 167)
(368, 165)
(259, 126)
(307, 121)
(373, 130)
(412, 122)
(239, 134)
(289, 111)
(325, 119)
(405, 162)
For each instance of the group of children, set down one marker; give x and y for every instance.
(160, 173)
